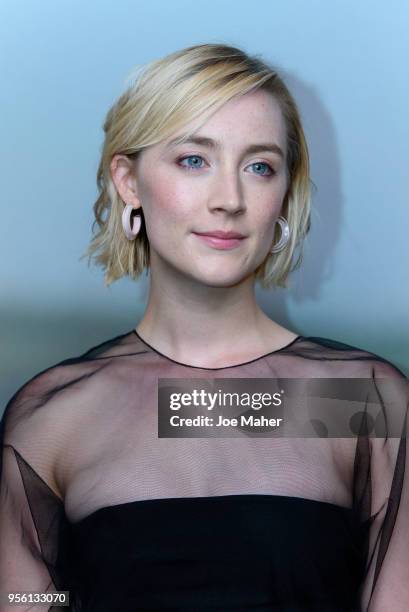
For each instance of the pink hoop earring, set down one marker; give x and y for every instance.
(285, 235)
(131, 231)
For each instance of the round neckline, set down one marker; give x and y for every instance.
(186, 365)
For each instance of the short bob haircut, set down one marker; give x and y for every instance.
(166, 95)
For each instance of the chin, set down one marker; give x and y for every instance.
(219, 280)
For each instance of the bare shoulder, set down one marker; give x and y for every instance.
(51, 415)
(44, 416)
(35, 420)
(345, 359)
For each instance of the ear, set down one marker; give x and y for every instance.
(124, 179)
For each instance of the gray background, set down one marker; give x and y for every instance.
(64, 63)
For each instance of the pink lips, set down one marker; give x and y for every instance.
(220, 243)
(221, 234)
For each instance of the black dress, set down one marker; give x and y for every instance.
(197, 524)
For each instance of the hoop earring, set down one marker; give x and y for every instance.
(131, 231)
(285, 235)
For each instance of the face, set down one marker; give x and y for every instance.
(216, 184)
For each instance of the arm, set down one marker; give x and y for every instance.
(32, 515)
(23, 565)
(386, 584)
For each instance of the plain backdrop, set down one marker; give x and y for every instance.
(64, 63)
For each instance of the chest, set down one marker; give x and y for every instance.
(137, 467)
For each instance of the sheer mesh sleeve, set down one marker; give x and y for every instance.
(33, 537)
(381, 495)
(80, 457)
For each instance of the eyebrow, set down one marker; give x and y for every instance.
(214, 144)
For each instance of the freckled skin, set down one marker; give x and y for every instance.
(201, 297)
(218, 190)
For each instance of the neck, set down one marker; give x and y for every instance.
(202, 324)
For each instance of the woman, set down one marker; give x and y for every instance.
(204, 180)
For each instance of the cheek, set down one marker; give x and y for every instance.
(168, 213)
(276, 202)
(162, 201)
(269, 208)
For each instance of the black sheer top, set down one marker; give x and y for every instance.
(93, 502)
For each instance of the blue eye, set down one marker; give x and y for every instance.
(266, 166)
(199, 167)
(191, 157)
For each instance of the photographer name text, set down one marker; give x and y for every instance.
(223, 421)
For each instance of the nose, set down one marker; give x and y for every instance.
(228, 192)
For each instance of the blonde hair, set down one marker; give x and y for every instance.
(166, 95)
